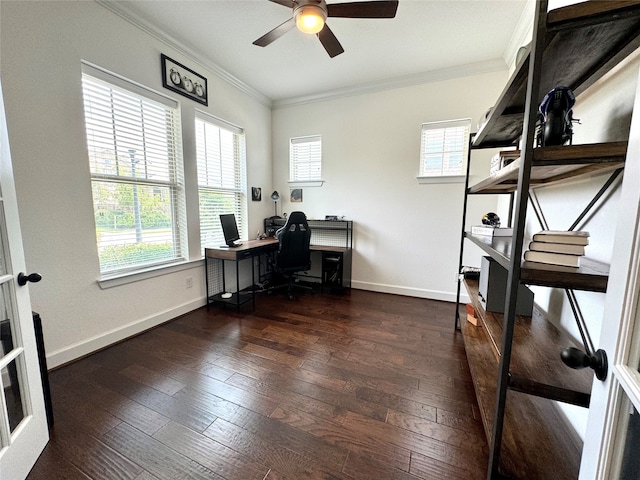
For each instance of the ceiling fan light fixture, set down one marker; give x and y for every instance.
(310, 18)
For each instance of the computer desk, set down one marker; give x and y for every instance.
(336, 269)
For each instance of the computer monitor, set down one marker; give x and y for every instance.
(229, 229)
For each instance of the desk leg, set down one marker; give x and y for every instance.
(237, 286)
(253, 281)
(224, 277)
(206, 279)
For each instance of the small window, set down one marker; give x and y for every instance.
(444, 147)
(220, 152)
(135, 158)
(305, 159)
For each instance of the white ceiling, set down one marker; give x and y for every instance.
(427, 38)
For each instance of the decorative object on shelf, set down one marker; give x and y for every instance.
(485, 118)
(502, 159)
(471, 315)
(491, 219)
(256, 194)
(521, 52)
(183, 80)
(275, 196)
(296, 194)
(471, 273)
(555, 118)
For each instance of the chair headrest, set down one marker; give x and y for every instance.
(297, 217)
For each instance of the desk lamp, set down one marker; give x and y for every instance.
(275, 196)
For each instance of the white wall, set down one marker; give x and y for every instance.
(406, 235)
(43, 43)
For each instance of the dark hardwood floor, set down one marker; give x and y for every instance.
(356, 386)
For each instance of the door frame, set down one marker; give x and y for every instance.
(621, 310)
(30, 436)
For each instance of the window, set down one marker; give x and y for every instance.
(444, 147)
(305, 159)
(135, 158)
(220, 151)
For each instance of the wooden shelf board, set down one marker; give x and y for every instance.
(591, 276)
(600, 34)
(536, 348)
(536, 443)
(557, 164)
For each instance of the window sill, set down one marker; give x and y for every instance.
(441, 179)
(109, 281)
(307, 183)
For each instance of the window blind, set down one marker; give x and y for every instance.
(135, 157)
(305, 158)
(220, 152)
(444, 147)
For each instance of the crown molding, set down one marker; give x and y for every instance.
(185, 49)
(397, 82)
(193, 54)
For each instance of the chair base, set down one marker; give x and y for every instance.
(290, 284)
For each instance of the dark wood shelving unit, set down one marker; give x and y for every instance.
(515, 361)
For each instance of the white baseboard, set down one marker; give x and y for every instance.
(80, 349)
(410, 291)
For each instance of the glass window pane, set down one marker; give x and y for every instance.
(6, 330)
(221, 178)
(630, 458)
(134, 147)
(3, 268)
(12, 394)
(133, 224)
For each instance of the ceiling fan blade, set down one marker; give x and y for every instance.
(286, 3)
(372, 9)
(330, 42)
(276, 33)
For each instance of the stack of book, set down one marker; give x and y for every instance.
(557, 247)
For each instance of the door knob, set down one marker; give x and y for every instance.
(23, 279)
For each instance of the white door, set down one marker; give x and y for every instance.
(612, 443)
(23, 424)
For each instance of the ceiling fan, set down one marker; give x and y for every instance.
(310, 17)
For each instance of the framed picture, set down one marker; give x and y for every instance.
(183, 80)
(296, 195)
(256, 194)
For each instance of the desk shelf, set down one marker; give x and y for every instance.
(235, 300)
(325, 233)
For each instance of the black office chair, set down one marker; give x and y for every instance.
(293, 252)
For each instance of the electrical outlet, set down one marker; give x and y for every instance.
(189, 282)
